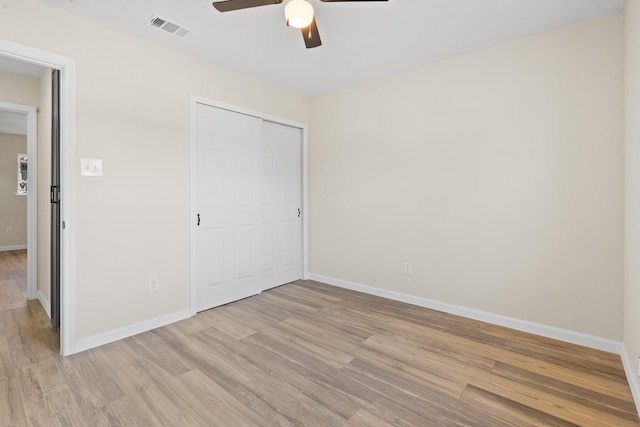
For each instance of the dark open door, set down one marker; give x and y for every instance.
(55, 199)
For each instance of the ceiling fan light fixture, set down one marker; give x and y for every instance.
(299, 13)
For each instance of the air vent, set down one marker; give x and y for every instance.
(158, 22)
(169, 27)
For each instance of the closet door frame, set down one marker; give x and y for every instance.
(193, 220)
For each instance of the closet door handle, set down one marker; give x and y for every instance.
(298, 212)
(198, 220)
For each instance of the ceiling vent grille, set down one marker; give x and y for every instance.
(169, 27)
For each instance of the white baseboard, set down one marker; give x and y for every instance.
(44, 303)
(128, 331)
(632, 377)
(12, 248)
(566, 335)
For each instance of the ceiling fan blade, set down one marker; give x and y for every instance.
(311, 35)
(229, 5)
(335, 1)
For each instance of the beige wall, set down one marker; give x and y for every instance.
(13, 209)
(632, 189)
(133, 113)
(18, 89)
(498, 174)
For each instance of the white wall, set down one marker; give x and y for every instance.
(13, 209)
(632, 188)
(133, 112)
(498, 174)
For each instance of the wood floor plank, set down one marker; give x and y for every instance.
(423, 375)
(322, 374)
(309, 377)
(575, 373)
(547, 349)
(389, 402)
(309, 345)
(215, 404)
(302, 354)
(605, 402)
(508, 412)
(11, 404)
(549, 403)
(339, 324)
(169, 407)
(84, 374)
(294, 403)
(364, 419)
(122, 412)
(227, 324)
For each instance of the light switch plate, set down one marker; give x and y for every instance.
(91, 167)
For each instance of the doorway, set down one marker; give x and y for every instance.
(66, 68)
(247, 204)
(20, 121)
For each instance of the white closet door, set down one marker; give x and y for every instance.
(228, 174)
(281, 216)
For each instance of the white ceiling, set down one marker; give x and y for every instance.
(361, 40)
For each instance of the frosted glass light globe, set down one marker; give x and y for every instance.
(299, 13)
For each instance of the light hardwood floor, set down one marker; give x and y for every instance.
(305, 354)
(13, 279)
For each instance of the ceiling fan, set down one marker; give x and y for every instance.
(298, 13)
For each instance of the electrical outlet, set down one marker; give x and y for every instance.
(153, 284)
(8, 230)
(408, 269)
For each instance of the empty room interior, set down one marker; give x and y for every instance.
(320, 212)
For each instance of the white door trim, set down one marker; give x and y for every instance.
(32, 196)
(67, 69)
(192, 185)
